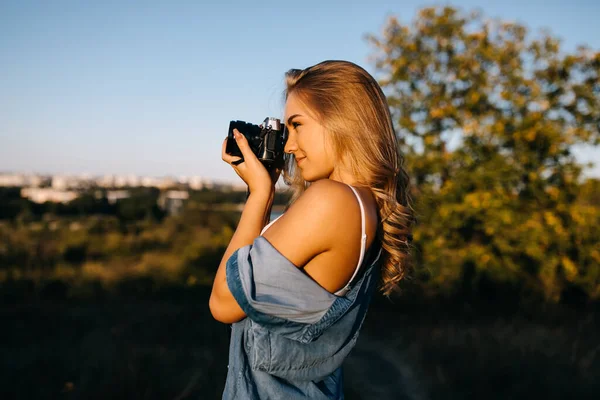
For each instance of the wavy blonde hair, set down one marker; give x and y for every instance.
(351, 106)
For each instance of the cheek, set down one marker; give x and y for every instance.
(326, 155)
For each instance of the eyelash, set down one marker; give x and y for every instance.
(295, 125)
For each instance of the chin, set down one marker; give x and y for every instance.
(307, 176)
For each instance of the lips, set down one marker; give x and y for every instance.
(299, 160)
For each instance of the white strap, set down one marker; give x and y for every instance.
(363, 240)
(269, 224)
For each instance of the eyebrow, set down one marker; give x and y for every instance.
(289, 121)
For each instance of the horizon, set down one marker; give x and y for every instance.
(149, 88)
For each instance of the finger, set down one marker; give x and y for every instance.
(242, 143)
(228, 158)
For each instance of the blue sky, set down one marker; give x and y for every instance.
(149, 87)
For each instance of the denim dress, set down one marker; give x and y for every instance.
(297, 334)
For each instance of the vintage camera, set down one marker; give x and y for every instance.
(266, 141)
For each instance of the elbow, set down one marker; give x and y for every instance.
(216, 310)
(221, 311)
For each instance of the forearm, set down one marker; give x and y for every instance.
(254, 217)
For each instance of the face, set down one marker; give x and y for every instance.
(306, 141)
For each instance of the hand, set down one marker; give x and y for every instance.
(251, 170)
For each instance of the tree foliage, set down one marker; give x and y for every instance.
(488, 116)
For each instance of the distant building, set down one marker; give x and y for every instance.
(120, 181)
(149, 181)
(133, 181)
(115, 195)
(172, 201)
(167, 183)
(21, 180)
(64, 182)
(35, 181)
(42, 195)
(106, 181)
(60, 182)
(196, 183)
(12, 180)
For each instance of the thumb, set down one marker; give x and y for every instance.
(242, 143)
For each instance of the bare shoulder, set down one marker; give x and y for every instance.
(321, 232)
(312, 225)
(326, 196)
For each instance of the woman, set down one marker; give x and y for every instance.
(304, 281)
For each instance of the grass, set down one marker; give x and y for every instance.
(464, 353)
(128, 350)
(137, 345)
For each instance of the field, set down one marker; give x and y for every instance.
(169, 347)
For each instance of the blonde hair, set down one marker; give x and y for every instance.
(351, 106)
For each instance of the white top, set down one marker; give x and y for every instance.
(363, 243)
(269, 224)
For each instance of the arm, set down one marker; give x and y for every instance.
(223, 305)
(317, 231)
(318, 235)
(256, 212)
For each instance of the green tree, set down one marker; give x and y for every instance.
(488, 116)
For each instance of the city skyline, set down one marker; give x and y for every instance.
(148, 88)
(83, 181)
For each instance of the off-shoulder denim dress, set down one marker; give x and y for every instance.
(296, 334)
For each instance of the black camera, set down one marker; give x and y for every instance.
(266, 141)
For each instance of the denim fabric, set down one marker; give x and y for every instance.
(297, 334)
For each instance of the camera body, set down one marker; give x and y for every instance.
(267, 141)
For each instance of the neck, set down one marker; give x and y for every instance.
(341, 175)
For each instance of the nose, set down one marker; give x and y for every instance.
(291, 145)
